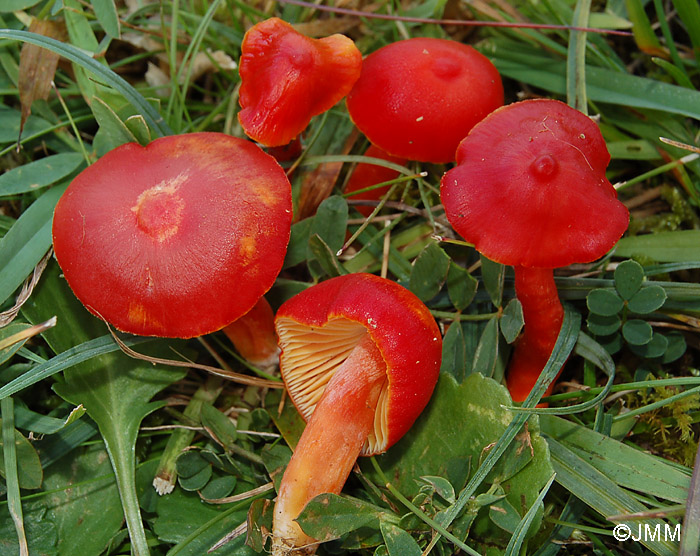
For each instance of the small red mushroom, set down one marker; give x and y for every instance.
(178, 238)
(366, 175)
(529, 190)
(418, 98)
(254, 337)
(287, 78)
(360, 359)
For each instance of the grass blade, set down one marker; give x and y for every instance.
(110, 78)
(11, 479)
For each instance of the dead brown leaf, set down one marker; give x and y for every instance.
(37, 66)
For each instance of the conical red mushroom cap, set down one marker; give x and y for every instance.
(287, 78)
(319, 327)
(178, 238)
(418, 98)
(530, 187)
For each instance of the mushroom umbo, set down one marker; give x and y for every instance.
(418, 98)
(529, 190)
(287, 78)
(360, 359)
(178, 238)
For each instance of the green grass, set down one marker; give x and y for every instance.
(86, 428)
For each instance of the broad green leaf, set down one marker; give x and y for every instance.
(190, 463)
(181, 514)
(40, 173)
(493, 275)
(29, 469)
(454, 352)
(667, 247)
(676, 347)
(87, 515)
(512, 320)
(329, 516)
(605, 303)
(10, 123)
(197, 481)
(503, 514)
(138, 126)
(112, 131)
(486, 354)
(325, 256)
(568, 335)
(285, 416)
(441, 486)
(461, 286)
(399, 542)
(41, 533)
(297, 250)
(628, 467)
(330, 224)
(219, 487)
(437, 445)
(637, 332)
(520, 533)
(629, 276)
(429, 272)
(27, 419)
(275, 458)
(647, 300)
(26, 243)
(106, 13)
(655, 347)
(219, 425)
(603, 326)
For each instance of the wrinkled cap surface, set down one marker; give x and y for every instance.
(319, 327)
(287, 78)
(418, 98)
(530, 187)
(178, 238)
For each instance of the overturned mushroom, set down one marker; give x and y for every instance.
(360, 358)
(287, 78)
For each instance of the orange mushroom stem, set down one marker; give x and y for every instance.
(330, 444)
(253, 335)
(544, 314)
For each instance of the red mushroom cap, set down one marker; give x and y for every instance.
(530, 187)
(418, 98)
(287, 78)
(178, 238)
(319, 327)
(367, 174)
